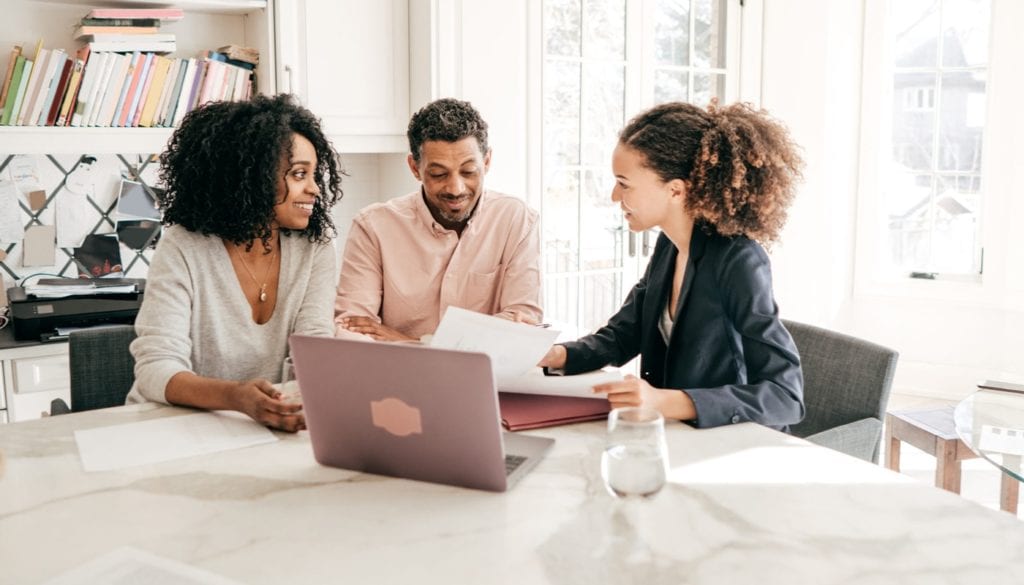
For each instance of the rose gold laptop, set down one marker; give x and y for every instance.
(409, 411)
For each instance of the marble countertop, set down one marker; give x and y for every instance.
(744, 504)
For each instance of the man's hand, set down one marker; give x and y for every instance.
(258, 399)
(370, 327)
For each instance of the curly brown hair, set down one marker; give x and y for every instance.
(222, 169)
(740, 165)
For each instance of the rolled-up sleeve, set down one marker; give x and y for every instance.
(163, 346)
(360, 284)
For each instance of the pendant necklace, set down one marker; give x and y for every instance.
(263, 286)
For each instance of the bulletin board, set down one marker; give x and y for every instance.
(63, 199)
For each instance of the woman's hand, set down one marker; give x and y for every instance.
(258, 399)
(555, 358)
(370, 327)
(632, 391)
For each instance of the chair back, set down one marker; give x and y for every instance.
(102, 368)
(846, 379)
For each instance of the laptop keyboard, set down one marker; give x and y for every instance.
(512, 462)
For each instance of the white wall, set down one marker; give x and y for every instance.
(810, 66)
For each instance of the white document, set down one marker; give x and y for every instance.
(165, 439)
(73, 207)
(514, 348)
(578, 386)
(12, 227)
(131, 566)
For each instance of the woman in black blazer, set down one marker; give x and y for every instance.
(703, 317)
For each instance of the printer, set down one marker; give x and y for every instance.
(37, 318)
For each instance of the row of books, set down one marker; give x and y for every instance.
(100, 88)
(128, 30)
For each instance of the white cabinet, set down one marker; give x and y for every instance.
(32, 377)
(348, 61)
(208, 24)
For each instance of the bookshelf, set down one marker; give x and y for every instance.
(207, 24)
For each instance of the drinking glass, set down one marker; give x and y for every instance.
(289, 384)
(635, 460)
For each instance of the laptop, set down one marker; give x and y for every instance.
(409, 411)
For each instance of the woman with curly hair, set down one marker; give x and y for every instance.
(703, 317)
(246, 259)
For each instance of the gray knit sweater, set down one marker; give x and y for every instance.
(196, 318)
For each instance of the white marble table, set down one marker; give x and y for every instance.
(744, 505)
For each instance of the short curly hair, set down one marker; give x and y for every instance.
(222, 169)
(446, 119)
(740, 165)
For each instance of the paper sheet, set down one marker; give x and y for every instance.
(129, 566)
(165, 439)
(514, 348)
(12, 226)
(40, 246)
(578, 386)
(73, 205)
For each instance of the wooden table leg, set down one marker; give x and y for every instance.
(892, 446)
(1009, 489)
(947, 469)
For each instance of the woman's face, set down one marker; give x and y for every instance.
(298, 192)
(645, 199)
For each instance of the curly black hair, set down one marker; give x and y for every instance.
(446, 119)
(223, 167)
(740, 165)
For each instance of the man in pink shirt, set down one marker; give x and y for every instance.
(450, 243)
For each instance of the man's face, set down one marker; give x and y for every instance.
(452, 174)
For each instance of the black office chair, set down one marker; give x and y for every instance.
(846, 389)
(102, 368)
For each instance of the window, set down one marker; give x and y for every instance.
(602, 61)
(931, 186)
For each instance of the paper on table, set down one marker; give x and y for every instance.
(514, 348)
(165, 439)
(128, 566)
(579, 386)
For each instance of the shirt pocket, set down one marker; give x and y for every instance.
(482, 288)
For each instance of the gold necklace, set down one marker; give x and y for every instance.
(263, 286)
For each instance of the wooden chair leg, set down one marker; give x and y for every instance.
(892, 447)
(1009, 490)
(947, 469)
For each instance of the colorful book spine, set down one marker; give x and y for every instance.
(87, 94)
(19, 100)
(137, 98)
(32, 89)
(71, 96)
(46, 88)
(58, 96)
(9, 108)
(15, 53)
(131, 84)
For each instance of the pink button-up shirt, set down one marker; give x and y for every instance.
(404, 268)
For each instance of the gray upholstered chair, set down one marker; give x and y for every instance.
(102, 368)
(846, 389)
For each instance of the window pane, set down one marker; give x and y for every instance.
(672, 32)
(603, 111)
(956, 226)
(562, 27)
(913, 123)
(707, 86)
(562, 112)
(601, 223)
(604, 29)
(961, 120)
(560, 299)
(915, 26)
(966, 27)
(602, 299)
(908, 199)
(709, 37)
(561, 233)
(670, 86)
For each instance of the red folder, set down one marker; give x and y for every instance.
(534, 411)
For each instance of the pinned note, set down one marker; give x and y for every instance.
(40, 248)
(36, 199)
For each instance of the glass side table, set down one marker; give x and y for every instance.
(991, 423)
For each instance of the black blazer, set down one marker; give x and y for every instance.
(728, 349)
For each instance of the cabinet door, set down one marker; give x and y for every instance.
(348, 61)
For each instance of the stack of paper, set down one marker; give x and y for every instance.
(52, 288)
